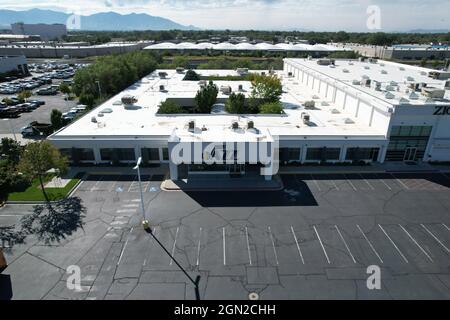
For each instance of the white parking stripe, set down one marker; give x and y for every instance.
(370, 244)
(94, 187)
(198, 247)
(393, 243)
(273, 246)
(315, 181)
(174, 244)
(335, 185)
(224, 248)
(385, 184)
(248, 247)
(446, 226)
(112, 187)
(435, 238)
(399, 181)
(134, 181)
(416, 243)
(298, 246)
(321, 244)
(345, 243)
(353, 186)
(365, 180)
(124, 247)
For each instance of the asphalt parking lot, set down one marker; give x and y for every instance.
(312, 240)
(41, 114)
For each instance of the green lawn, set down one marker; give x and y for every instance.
(34, 192)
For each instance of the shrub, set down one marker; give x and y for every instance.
(266, 88)
(170, 107)
(271, 108)
(236, 104)
(191, 75)
(206, 97)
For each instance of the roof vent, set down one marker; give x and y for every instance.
(348, 121)
(402, 68)
(390, 88)
(345, 71)
(324, 103)
(409, 78)
(162, 75)
(413, 96)
(384, 72)
(305, 118)
(225, 89)
(423, 73)
(180, 70)
(128, 100)
(366, 67)
(240, 88)
(389, 95)
(393, 83)
(94, 119)
(335, 111)
(382, 64)
(162, 88)
(234, 125)
(250, 125)
(191, 125)
(365, 76)
(356, 82)
(310, 104)
(403, 101)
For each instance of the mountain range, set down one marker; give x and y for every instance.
(105, 21)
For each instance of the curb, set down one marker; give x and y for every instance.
(279, 188)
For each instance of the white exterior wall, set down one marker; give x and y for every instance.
(45, 31)
(8, 64)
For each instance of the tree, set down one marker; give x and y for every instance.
(236, 104)
(56, 119)
(206, 97)
(170, 107)
(266, 88)
(10, 150)
(191, 75)
(40, 157)
(65, 89)
(271, 108)
(87, 99)
(24, 95)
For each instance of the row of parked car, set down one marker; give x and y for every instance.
(75, 111)
(12, 107)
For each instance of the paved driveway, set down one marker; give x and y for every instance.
(314, 239)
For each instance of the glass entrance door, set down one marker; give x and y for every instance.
(410, 154)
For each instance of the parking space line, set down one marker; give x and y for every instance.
(370, 243)
(298, 246)
(174, 244)
(446, 226)
(273, 246)
(248, 247)
(224, 255)
(399, 181)
(198, 247)
(353, 186)
(416, 243)
(345, 243)
(435, 238)
(129, 188)
(365, 180)
(124, 247)
(385, 184)
(94, 187)
(315, 181)
(321, 244)
(393, 243)
(112, 187)
(335, 185)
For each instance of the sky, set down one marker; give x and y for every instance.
(315, 15)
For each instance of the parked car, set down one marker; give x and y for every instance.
(47, 92)
(35, 128)
(70, 115)
(37, 102)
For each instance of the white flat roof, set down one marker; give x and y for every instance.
(142, 122)
(397, 76)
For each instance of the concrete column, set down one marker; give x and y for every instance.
(173, 171)
(343, 153)
(303, 155)
(382, 154)
(334, 94)
(371, 116)
(345, 101)
(97, 155)
(357, 108)
(137, 152)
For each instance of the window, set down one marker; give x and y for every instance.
(125, 154)
(332, 153)
(357, 154)
(314, 154)
(165, 153)
(86, 154)
(106, 154)
(153, 154)
(289, 154)
(411, 131)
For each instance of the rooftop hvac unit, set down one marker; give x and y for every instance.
(367, 67)
(365, 76)
(290, 74)
(413, 96)
(305, 118)
(391, 88)
(263, 73)
(348, 121)
(433, 93)
(373, 60)
(180, 70)
(162, 75)
(310, 104)
(409, 78)
(241, 87)
(393, 83)
(250, 125)
(447, 85)
(242, 71)
(356, 82)
(324, 62)
(389, 95)
(94, 119)
(384, 72)
(345, 70)
(382, 64)
(191, 125)
(162, 88)
(225, 89)
(403, 101)
(335, 111)
(366, 82)
(402, 68)
(234, 125)
(361, 59)
(129, 100)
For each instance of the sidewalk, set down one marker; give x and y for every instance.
(374, 168)
(95, 170)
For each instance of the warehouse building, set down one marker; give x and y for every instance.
(47, 32)
(13, 64)
(334, 112)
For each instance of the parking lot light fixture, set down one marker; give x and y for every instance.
(137, 167)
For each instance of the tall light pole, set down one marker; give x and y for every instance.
(144, 220)
(12, 128)
(99, 88)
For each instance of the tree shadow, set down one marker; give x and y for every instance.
(6, 292)
(56, 221)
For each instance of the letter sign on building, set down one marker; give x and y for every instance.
(442, 111)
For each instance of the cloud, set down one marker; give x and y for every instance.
(348, 15)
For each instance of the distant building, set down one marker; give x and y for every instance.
(47, 32)
(13, 63)
(407, 51)
(14, 38)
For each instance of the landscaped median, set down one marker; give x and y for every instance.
(34, 193)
